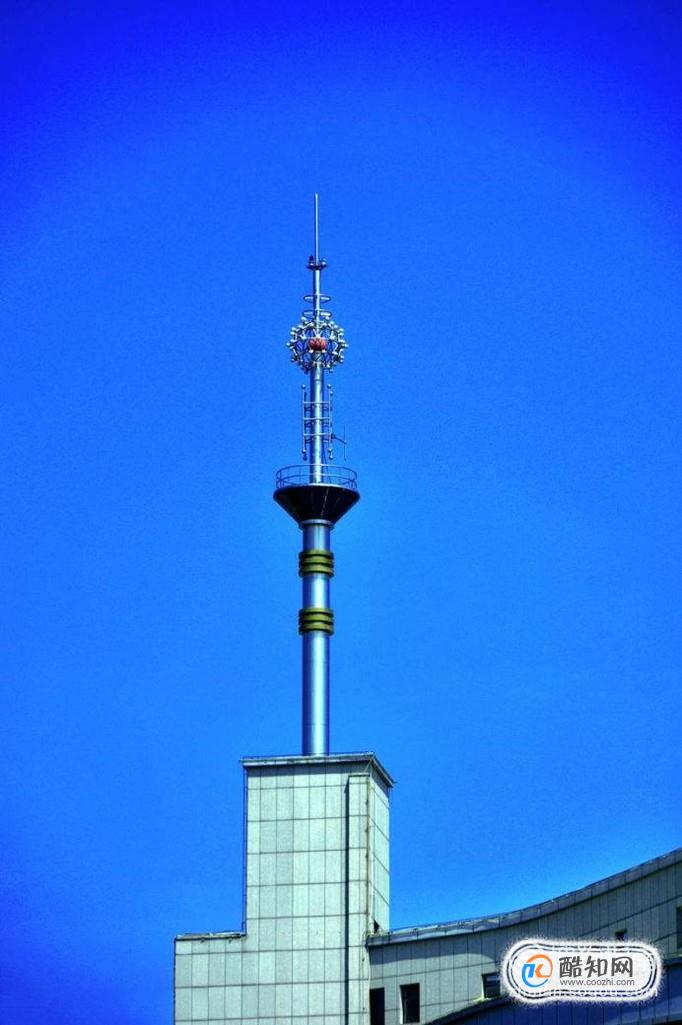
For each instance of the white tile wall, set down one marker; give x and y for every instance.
(291, 966)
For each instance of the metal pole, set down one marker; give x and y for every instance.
(316, 453)
(315, 737)
(316, 226)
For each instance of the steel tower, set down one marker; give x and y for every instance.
(316, 494)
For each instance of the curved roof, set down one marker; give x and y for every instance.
(469, 925)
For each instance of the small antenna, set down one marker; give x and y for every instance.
(316, 341)
(343, 440)
(316, 226)
(316, 265)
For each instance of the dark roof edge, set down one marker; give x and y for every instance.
(506, 918)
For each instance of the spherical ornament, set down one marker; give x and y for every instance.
(316, 343)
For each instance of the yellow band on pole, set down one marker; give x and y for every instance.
(316, 560)
(316, 619)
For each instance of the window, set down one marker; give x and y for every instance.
(679, 928)
(376, 1006)
(621, 934)
(491, 985)
(409, 1003)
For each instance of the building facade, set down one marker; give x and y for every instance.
(456, 965)
(317, 948)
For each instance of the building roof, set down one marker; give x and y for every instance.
(307, 761)
(469, 925)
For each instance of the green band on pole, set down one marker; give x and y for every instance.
(316, 619)
(316, 560)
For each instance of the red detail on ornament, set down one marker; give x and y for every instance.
(317, 344)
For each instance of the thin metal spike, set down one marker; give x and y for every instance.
(316, 226)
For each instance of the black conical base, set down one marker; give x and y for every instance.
(316, 501)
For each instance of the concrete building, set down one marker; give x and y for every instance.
(316, 887)
(316, 947)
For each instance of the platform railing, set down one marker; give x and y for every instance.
(325, 474)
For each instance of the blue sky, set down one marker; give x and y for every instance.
(501, 216)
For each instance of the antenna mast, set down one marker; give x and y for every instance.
(316, 494)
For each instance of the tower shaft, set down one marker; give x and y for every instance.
(316, 566)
